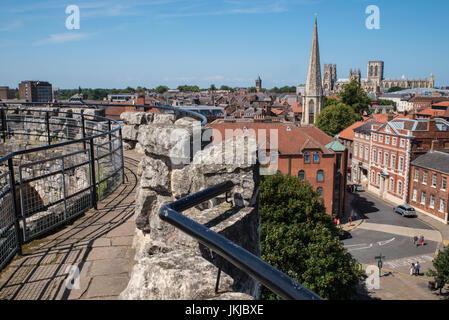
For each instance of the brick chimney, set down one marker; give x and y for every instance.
(435, 144)
(141, 99)
(431, 125)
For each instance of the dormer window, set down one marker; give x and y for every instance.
(307, 157)
(316, 157)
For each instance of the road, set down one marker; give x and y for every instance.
(390, 234)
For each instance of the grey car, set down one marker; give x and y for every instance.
(405, 210)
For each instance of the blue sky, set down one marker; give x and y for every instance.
(173, 42)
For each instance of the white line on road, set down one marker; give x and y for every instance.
(408, 261)
(383, 243)
(430, 235)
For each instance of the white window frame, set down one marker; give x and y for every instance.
(432, 202)
(423, 198)
(387, 139)
(394, 141)
(425, 177)
(415, 195)
(400, 188)
(442, 205)
(443, 184)
(416, 177)
(434, 180)
(401, 163)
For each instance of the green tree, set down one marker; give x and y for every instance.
(353, 95)
(441, 265)
(252, 90)
(395, 89)
(330, 101)
(335, 118)
(161, 89)
(298, 238)
(213, 87)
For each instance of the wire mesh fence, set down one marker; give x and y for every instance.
(62, 164)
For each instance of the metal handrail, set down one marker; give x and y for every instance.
(278, 282)
(88, 105)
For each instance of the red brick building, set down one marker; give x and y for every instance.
(429, 185)
(7, 94)
(394, 145)
(305, 152)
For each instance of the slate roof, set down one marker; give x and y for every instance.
(437, 161)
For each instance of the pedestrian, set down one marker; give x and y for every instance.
(415, 241)
(350, 221)
(417, 267)
(412, 269)
(421, 240)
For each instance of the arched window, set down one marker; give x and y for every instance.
(311, 112)
(376, 71)
(320, 176)
(320, 191)
(371, 70)
(307, 157)
(302, 175)
(316, 157)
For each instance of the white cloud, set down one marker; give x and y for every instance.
(63, 37)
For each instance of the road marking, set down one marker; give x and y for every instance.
(429, 235)
(363, 246)
(383, 243)
(408, 261)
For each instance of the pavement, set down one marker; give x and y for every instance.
(97, 247)
(377, 231)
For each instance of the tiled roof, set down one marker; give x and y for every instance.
(291, 139)
(348, 133)
(438, 161)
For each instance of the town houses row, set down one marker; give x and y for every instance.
(402, 159)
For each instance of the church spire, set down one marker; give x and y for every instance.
(313, 100)
(314, 84)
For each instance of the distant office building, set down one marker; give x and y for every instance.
(7, 94)
(35, 91)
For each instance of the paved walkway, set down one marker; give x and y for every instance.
(98, 243)
(400, 286)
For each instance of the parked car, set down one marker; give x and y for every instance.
(405, 210)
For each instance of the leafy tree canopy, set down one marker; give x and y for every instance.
(335, 118)
(298, 238)
(441, 267)
(395, 89)
(353, 95)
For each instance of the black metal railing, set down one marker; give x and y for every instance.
(58, 164)
(276, 281)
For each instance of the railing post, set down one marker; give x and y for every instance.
(47, 125)
(110, 140)
(122, 157)
(3, 119)
(93, 176)
(83, 128)
(15, 205)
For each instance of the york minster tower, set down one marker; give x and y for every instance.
(313, 101)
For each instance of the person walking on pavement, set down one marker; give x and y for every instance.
(412, 269)
(417, 267)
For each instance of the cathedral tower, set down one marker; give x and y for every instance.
(375, 72)
(258, 84)
(313, 101)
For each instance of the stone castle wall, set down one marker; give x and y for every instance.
(169, 264)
